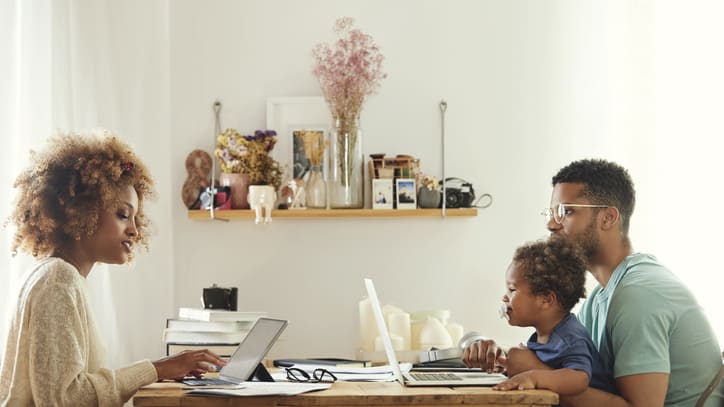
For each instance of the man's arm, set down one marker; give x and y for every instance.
(648, 389)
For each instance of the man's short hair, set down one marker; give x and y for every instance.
(606, 183)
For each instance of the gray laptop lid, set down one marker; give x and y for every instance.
(253, 348)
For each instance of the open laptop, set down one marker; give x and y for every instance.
(478, 378)
(245, 363)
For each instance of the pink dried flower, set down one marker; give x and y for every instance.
(349, 71)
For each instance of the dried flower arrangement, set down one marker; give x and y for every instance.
(249, 155)
(314, 146)
(430, 182)
(347, 72)
(424, 180)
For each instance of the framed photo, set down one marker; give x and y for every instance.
(307, 150)
(406, 193)
(289, 117)
(382, 194)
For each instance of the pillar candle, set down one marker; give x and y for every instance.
(396, 343)
(367, 325)
(399, 324)
(415, 328)
(456, 332)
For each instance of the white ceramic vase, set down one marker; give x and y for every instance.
(262, 199)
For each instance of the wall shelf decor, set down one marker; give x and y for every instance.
(238, 214)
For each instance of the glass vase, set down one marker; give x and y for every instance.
(346, 169)
(316, 188)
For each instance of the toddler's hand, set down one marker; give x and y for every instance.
(523, 381)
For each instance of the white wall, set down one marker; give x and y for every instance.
(530, 86)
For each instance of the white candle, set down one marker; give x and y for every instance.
(434, 334)
(367, 325)
(456, 332)
(396, 343)
(399, 324)
(415, 328)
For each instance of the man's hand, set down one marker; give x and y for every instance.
(187, 363)
(485, 354)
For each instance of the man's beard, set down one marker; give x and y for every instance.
(588, 241)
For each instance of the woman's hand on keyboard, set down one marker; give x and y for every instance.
(187, 363)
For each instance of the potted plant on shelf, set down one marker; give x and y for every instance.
(245, 160)
(428, 195)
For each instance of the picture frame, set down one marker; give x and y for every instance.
(383, 196)
(289, 116)
(301, 163)
(406, 193)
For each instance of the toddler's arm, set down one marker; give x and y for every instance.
(565, 382)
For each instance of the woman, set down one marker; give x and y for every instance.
(80, 202)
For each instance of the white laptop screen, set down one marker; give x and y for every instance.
(382, 328)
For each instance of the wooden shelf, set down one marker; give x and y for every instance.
(336, 213)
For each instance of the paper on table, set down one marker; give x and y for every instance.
(264, 389)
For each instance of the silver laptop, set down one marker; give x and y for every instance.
(478, 378)
(245, 363)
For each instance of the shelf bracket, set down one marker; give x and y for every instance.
(443, 109)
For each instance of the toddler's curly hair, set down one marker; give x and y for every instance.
(554, 265)
(67, 185)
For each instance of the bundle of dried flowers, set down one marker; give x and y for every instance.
(314, 146)
(348, 72)
(249, 155)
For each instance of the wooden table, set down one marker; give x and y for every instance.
(355, 394)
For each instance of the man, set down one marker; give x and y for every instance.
(647, 325)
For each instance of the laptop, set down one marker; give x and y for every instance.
(440, 378)
(245, 363)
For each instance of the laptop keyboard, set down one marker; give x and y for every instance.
(428, 377)
(205, 382)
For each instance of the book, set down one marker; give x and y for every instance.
(205, 314)
(224, 350)
(337, 362)
(207, 326)
(173, 335)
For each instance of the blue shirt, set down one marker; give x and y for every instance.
(570, 347)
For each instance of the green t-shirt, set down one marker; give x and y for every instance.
(646, 321)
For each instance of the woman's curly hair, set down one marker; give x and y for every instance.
(554, 265)
(67, 185)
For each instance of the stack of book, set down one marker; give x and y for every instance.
(219, 331)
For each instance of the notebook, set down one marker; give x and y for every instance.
(245, 363)
(478, 378)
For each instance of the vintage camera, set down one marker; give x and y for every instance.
(458, 193)
(216, 297)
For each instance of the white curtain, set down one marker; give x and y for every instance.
(80, 65)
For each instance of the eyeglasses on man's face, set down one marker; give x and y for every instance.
(295, 374)
(559, 212)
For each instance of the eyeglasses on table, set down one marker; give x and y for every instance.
(319, 375)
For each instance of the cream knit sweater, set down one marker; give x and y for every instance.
(54, 356)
